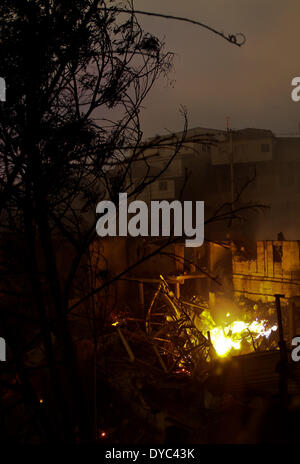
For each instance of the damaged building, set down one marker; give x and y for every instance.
(274, 270)
(244, 167)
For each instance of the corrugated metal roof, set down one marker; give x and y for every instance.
(258, 372)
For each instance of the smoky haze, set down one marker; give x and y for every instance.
(214, 79)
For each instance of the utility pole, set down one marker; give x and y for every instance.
(231, 163)
(283, 363)
(231, 168)
(231, 160)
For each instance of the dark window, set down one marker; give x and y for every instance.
(163, 185)
(265, 147)
(277, 253)
(206, 148)
(296, 319)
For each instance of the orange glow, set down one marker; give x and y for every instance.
(227, 337)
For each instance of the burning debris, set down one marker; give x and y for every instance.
(184, 334)
(228, 338)
(181, 350)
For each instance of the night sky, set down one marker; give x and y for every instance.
(214, 79)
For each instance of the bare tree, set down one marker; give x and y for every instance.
(77, 74)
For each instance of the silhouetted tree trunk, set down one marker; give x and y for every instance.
(77, 74)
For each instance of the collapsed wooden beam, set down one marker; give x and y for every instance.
(126, 344)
